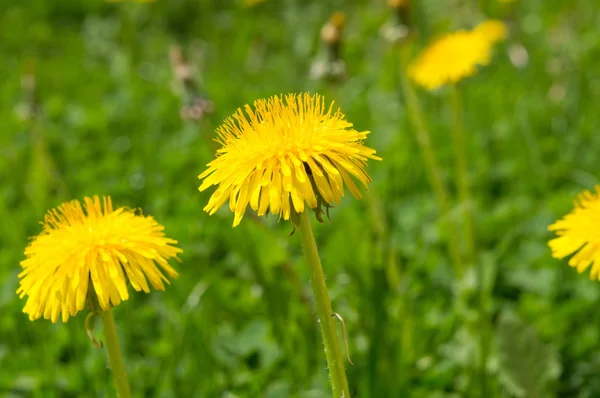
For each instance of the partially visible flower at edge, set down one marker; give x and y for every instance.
(579, 234)
(92, 252)
(284, 154)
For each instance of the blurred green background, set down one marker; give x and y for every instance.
(239, 322)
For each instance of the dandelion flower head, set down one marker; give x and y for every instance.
(579, 234)
(284, 154)
(492, 30)
(92, 251)
(456, 56)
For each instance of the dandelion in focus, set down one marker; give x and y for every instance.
(283, 155)
(90, 253)
(280, 156)
(579, 234)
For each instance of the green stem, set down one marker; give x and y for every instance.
(432, 167)
(335, 361)
(462, 173)
(415, 113)
(464, 195)
(114, 355)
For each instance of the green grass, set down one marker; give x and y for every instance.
(239, 322)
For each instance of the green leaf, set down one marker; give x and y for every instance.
(527, 365)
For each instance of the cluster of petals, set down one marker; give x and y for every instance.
(92, 251)
(283, 155)
(457, 55)
(579, 234)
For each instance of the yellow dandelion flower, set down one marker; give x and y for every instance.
(450, 59)
(90, 249)
(579, 232)
(283, 154)
(456, 56)
(492, 30)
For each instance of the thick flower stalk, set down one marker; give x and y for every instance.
(284, 155)
(92, 252)
(579, 234)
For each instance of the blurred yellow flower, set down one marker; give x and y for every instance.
(492, 29)
(579, 232)
(91, 254)
(450, 59)
(456, 56)
(283, 154)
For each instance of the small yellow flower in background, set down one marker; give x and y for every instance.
(92, 248)
(285, 153)
(456, 56)
(579, 233)
(492, 29)
(450, 59)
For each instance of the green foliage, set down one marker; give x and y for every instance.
(527, 366)
(239, 322)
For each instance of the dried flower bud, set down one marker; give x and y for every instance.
(398, 3)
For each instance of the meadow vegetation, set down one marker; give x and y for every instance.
(123, 99)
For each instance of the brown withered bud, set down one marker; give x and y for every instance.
(397, 29)
(195, 103)
(332, 32)
(181, 69)
(29, 107)
(331, 66)
(401, 9)
(398, 3)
